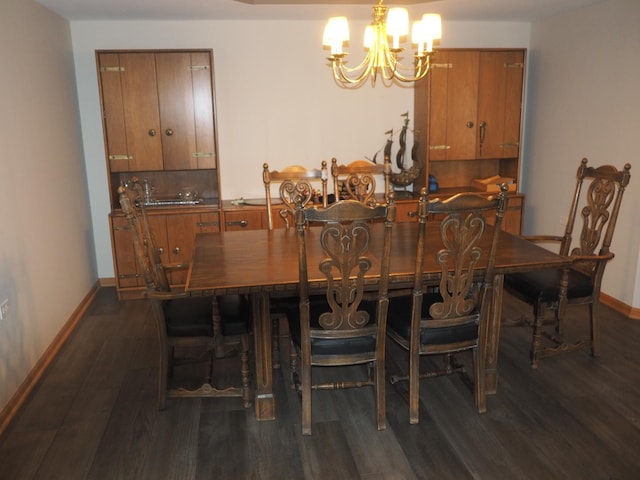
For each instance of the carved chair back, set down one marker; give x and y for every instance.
(357, 180)
(598, 209)
(461, 230)
(146, 252)
(296, 182)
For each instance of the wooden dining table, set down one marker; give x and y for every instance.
(261, 263)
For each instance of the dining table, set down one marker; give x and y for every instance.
(263, 263)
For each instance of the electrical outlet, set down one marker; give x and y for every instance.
(4, 309)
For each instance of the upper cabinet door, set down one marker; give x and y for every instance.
(185, 95)
(158, 110)
(453, 93)
(130, 111)
(175, 96)
(500, 103)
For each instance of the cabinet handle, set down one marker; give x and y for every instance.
(483, 130)
(152, 132)
(176, 250)
(168, 132)
(208, 224)
(241, 223)
(126, 276)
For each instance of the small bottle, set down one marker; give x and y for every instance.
(433, 184)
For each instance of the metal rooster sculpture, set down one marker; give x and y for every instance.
(406, 175)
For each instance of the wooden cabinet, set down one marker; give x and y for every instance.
(158, 112)
(468, 117)
(175, 236)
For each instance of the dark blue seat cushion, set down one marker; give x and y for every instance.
(323, 346)
(193, 316)
(399, 320)
(544, 285)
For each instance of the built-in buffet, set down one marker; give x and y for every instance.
(159, 122)
(158, 113)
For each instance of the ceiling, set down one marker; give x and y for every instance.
(451, 10)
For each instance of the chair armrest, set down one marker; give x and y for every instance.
(154, 295)
(543, 238)
(591, 258)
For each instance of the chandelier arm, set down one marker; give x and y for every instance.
(420, 70)
(343, 73)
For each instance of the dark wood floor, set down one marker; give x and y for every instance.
(93, 416)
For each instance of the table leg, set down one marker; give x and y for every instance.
(491, 353)
(265, 400)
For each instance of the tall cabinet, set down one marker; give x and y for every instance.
(468, 116)
(158, 112)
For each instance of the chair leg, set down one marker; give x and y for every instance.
(381, 403)
(244, 370)
(162, 377)
(306, 397)
(217, 329)
(594, 311)
(478, 380)
(536, 344)
(275, 342)
(293, 365)
(414, 386)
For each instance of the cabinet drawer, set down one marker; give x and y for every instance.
(244, 220)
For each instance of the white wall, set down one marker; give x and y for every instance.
(583, 101)
(276, 100)
(46, 247)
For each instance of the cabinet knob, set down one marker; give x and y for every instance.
(176, 250)
(161, 250)
(469, 124)
(168, 132)
(152, 132)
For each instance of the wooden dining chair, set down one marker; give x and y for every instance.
(206, 325)
(357, 179)
(293, 181)
(337, 325)
(553, 290)
(452, 318)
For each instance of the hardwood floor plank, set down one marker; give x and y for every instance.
(125, 445)
(22, 452)
(73, 449)
(173, 446)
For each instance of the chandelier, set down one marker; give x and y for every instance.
(382, 40)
